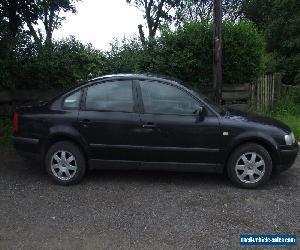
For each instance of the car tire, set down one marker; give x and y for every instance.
(249, 166)
(65, 163)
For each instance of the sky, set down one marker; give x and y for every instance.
(99, 21)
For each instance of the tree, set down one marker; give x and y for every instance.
(279, 21)
(200, 10)
(11, 35)
(257, 11)
(156, 11)
(12, 14)
(186, 54)
(217, 51)
(16, 13)
(49, 12)
(194, 10)
(19, 20)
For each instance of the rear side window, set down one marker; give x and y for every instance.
(73, 101)
(110, 96)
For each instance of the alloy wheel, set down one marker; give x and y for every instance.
(63, 165)
(250, 167)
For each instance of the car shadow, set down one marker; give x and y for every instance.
(190, 179)
(16, 168)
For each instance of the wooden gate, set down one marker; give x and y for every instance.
(264, 91)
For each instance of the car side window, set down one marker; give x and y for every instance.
(161, 98)
(110, 96)
(73, 100)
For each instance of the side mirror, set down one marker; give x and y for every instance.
(201, 113)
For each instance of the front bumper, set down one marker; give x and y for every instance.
(287, 157)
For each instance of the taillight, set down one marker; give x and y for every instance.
(15, 122)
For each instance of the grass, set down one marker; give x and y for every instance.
(293, 121)
(5, 133)
(287, 110)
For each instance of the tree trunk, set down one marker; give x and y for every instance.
(33, 33)
(217, 51)
(142, 35)
(13, 18)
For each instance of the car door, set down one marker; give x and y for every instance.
(171, 129)
(109, 120)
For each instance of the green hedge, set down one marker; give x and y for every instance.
(59, 65)
(185, 53)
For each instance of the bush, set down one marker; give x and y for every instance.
(126, 56)
(186, 53)
(59, 65)
(244, 52)
(285, 105)
(5, 132)
(287, 109)
(296, 95)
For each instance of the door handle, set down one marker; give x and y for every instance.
(85, 122)
(149, 125)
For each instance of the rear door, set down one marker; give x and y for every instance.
(109, 120)
(171, 130)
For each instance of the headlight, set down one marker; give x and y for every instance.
(290, 139)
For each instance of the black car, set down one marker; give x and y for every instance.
(149, 123)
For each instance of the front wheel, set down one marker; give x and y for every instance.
(249, 166)
(65, 163)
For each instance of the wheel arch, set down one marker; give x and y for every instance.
(269, 145)
(61, 136)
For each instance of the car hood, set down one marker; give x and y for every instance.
(244, 116)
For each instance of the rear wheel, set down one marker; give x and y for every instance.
(249, 166)
(65, 163)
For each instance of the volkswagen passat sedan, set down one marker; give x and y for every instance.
(149, 123)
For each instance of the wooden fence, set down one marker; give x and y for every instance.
(231, 94)
(260, 95)
(264, 92)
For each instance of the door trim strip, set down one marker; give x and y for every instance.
(210, 150)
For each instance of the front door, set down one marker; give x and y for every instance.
(171, 130)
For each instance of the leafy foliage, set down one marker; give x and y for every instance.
(5, 132)
(244, 51)
(156, 11)
(17, 16)
(186, 53)
(201, 10)
(60, 64)
(49, 12)
(21, 60)
(279, 20)
(287, 110)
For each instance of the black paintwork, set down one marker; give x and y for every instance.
(150, 141)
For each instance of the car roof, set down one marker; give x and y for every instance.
(150, 77)
(130, 76)
(139, 77)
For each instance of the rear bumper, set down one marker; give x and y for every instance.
(287, 157)
(27, 147)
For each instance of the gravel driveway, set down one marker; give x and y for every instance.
(139, 210)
